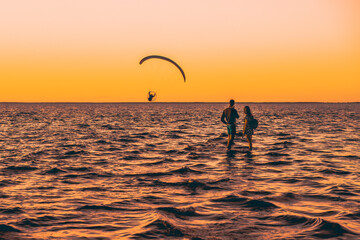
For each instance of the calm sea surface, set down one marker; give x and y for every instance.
(137, 171)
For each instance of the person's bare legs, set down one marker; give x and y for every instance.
(230, 140)
(249, 139)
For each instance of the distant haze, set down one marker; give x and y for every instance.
(254, 50)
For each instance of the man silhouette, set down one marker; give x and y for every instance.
(229, 118)
(151, 95)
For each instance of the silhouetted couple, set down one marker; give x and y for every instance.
(229, 117)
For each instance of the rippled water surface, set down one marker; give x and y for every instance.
(133, 171)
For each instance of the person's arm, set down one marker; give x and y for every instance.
(236, 115)
(223, 118)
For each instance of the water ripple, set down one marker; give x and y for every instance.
(162, 171)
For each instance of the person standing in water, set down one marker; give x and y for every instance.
(248, 131)
(229, 118)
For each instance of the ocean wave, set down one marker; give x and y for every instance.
(342, 191)
(259, 205)
(80, 169)
(335, 171)
(276, 154)
(278, 163)
(131, 157)
(355, 215)
(287, 197)
(151, 174)
(159, 229)
(36, 222)
(154, 200)
(162, 170)
(90, 175)
(4, 228)
(101, 208)
(54, 171)
(324, 197)
(4, 183)
(14, 210)
(182, 213)
(253, 204)
(328, 229)
(163, 161)
(231, 199)
(185, 170)
(194, 185)
(256, 193)
(94, 189)
(292, 220)
(20, 168)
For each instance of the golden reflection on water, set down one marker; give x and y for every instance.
(93, 170)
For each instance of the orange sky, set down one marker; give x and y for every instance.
(249, 50)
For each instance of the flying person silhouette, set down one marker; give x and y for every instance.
(151, 96)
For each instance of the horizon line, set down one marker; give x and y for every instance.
(160, 102)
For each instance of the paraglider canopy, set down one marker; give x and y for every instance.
(166, 59)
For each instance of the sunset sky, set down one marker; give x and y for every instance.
(248, 50)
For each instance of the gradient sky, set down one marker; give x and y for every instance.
(248, 50)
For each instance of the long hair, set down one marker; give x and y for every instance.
(247, 111)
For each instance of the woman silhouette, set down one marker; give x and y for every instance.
(248, 131)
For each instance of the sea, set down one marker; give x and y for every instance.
(162, 171)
